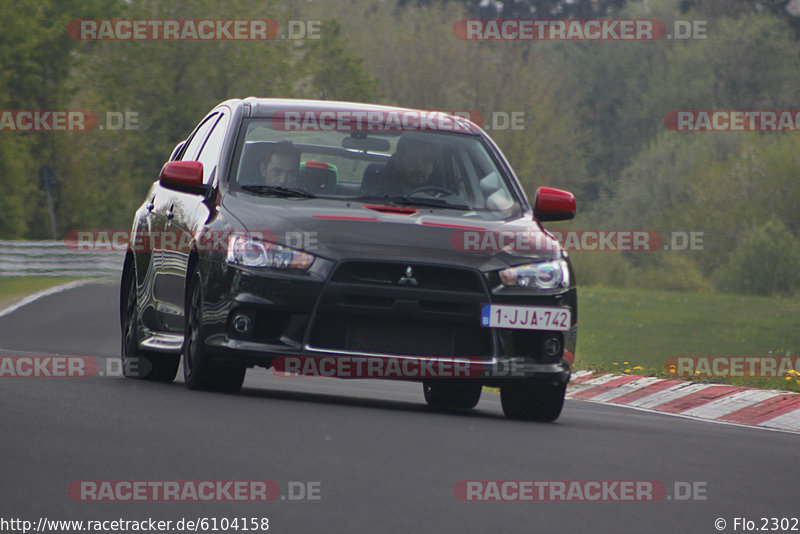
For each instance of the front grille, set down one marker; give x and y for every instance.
(389, 274)
(391, 336)
(398, 308)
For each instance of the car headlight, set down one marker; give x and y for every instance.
(249, 252)
(545, 275)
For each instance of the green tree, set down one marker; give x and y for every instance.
(748, 63)
(419, 63)
(757, 182)
(337, 74)
(171, 85)
(37, 58)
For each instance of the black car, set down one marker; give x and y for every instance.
(350, 240)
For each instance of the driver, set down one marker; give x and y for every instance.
(411, 166)
(281, 164)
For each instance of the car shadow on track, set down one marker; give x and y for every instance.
(360, 402)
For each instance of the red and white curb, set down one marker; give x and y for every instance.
(772, 409)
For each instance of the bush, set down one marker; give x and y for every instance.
(764, 262)
(601, 269)
(673, 271)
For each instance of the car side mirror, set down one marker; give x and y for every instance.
(554, 205)
(185, 176)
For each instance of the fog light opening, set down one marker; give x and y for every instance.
(242, 324)
(552, 347)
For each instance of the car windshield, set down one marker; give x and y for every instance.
(414, 168)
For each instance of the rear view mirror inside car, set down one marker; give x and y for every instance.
(366, 144)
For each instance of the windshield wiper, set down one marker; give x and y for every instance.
(274, 190)
(417, 201)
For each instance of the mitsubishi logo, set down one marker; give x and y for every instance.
(408, 278)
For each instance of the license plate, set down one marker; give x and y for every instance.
(525, 317)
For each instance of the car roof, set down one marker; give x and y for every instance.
(266, 107)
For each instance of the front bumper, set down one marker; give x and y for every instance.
(356, 313)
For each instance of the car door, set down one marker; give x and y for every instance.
(187, 212)
(169, 317)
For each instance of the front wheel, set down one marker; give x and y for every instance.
(452, 394)
(530, 401)
(199, 371)
(137, 363)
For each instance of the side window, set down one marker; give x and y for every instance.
(196, 142)
(210, 152)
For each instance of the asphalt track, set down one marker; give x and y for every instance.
(384, 461)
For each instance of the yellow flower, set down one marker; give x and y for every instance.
(639, 367)
(627, 370)
(624, 363)
(615, 363)
(789, 378)
(697, 372)
(673, 371)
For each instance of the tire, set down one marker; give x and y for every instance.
(199, 372)
(136, 363)
(530, 401)
(452, 394)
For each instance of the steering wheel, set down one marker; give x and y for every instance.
(435, 188)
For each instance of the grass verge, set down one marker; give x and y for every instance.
(634, 331)
(13, 288)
